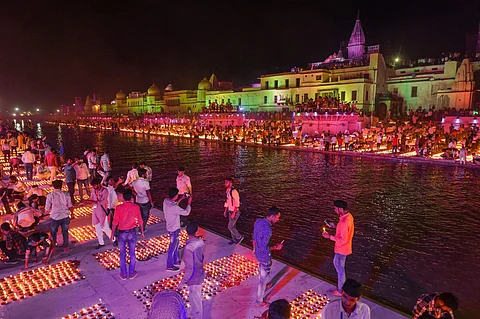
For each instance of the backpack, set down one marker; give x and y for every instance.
(243, 202)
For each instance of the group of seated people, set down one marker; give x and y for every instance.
(17, 247)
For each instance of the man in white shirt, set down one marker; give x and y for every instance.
(132, 175)
(349, 305)
(144, 197)
(59, 206)
(92, 159)
(81, 172)
(232, 210)
(106, 165)
(172, 219)
(183, 182)
(28, 158)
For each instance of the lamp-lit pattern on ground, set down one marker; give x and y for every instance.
(30, 283)
(222, 274)
(309, 305)
(86, 233)
(98, 311)
(144, 250)
(82, 211)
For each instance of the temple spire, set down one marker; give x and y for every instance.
(356, 44)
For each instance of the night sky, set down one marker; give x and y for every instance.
(53, 51)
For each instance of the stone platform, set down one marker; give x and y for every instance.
(102, 286)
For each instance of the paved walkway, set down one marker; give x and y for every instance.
(105, 286)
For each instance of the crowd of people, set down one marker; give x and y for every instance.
(421, 135)
(118, 205)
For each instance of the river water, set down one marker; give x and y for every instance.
(416, 225)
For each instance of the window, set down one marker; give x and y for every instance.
(266, 85)
(366, 76)
(354, 95)
(297, 82)
(414, 91)
(287, 83)
(265, 100)
(395, 90)
(239, 101)
(342, 95)
(275, 99)
(402, 72)
(209, 101)
(416, 71)
(434, 69)
(275, 84)
(305, 97)
(223, 101)
(318, 78)
(297, 98)
(366, 96)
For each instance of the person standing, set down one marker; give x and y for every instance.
(99, 213)
(124, 221)
(194, 272)
(52, 164)
(92, 160)
(70, 178)
(262, 232)
(6, 150)
(172, 218)
(81, 171)
(13, 145)
(349, 305)
(232, 209)
(184, 184)
(106, 165)
(28, 159)
(59, 206)
(435, 306)
(112, 203)
(61, 152)
(184, 187)
(343, 241)
(144, 197)
(132, 175)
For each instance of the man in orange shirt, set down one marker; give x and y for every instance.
(343, 241)
(124, 219)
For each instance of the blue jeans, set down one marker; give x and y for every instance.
(339, 264)
(263, 272)
(29, 170)
(54, 229)
(145, 212)
(173, 258)
(127, 237)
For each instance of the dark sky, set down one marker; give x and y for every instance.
(53, 51)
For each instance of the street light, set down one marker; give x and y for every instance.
(16, 109)
(396, 60)
(38, 110)
(58, 110)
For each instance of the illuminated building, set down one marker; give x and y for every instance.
(357, 75)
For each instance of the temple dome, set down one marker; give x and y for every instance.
(153, 90)
(120, 95)
(205, 85)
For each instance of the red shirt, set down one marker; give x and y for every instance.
(51, 159)
(125, 215)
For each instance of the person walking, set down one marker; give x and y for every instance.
(343, 242)
(99, 197)
(59, 205)
(194, 272)
(184, 186)
(92, 160)
(232, 210)
(124, 221)
(349, 305)
(106, 165)
(172, 213)
(28, 159)
(435, 306)
(262, 232)
(144, 197)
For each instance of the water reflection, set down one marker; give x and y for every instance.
(417, 228)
